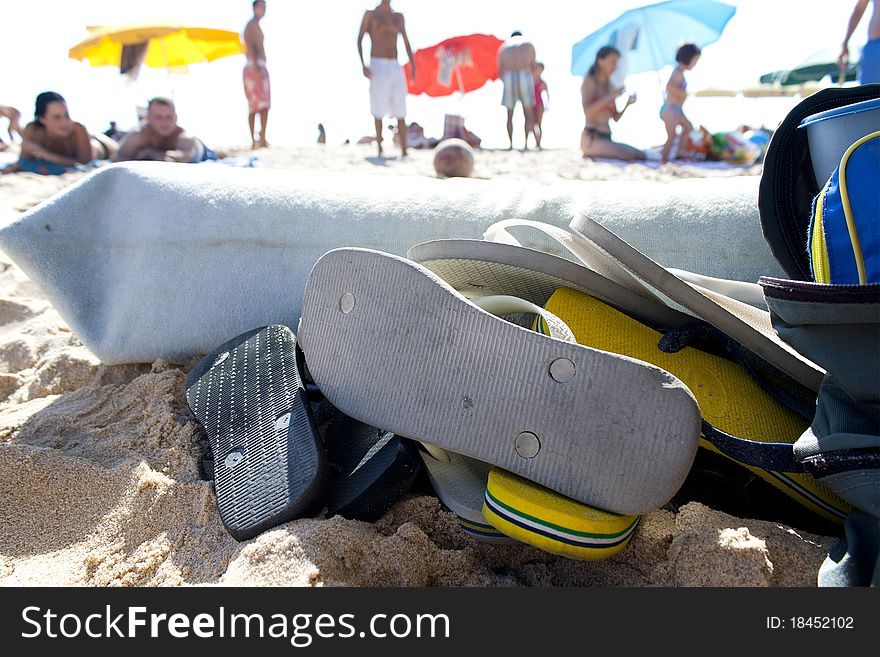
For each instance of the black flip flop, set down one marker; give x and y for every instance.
(269, 464)
(371, 469)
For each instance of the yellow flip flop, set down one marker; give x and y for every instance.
(729, 398)
(541, 517)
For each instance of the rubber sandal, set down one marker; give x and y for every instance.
(748, 325)
(730, 399)
(269, 465)
(370, 469)
(460, 484)
(392, 345)
(540, 517)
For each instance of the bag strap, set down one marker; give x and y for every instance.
(780, 457)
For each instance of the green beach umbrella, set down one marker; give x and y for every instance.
(815, 67)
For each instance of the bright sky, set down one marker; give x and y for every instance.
(316, 76)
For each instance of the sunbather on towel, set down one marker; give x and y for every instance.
(161, 139)
(54, 139)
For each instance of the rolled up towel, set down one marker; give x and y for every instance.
(155, 260)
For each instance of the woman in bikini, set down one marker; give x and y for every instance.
(676, 92)
(53, 137)
(599, 101)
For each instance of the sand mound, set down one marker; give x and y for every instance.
(101, 486)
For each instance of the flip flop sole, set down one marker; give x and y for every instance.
(538, 516)
(389, 343)
(371, 469)
(269, 466)
(460, 484)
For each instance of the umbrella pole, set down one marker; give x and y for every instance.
(652, 46)
(460, 89)
(167, 68)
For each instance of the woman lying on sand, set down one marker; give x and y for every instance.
(599, 108)
(52, 138)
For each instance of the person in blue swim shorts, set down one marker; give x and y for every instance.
(869, 63)
(516, 61)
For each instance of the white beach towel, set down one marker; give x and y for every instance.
(155, 260)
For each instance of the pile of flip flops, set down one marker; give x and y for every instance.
(551, 400)
(554, 400)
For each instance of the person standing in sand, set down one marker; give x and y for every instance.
(516, 61)
(387, 81)
(672, 112)
(869, 63)
(256, 75)
(541, 88)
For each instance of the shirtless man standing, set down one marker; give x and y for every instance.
(869, 64)
(161, 139)
(256, 75)
(516, 61)
(387, 81)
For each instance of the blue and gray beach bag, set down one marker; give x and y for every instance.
(845, 230)
(819, 201)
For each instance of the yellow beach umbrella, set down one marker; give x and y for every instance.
(167, 45)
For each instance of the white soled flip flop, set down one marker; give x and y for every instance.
(460, 483)
(391, 344)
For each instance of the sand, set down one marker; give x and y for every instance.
(100, 480)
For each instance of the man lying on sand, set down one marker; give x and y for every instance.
(161, 139)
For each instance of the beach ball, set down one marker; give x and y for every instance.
(454, 158)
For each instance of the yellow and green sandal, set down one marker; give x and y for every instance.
(547, 520)
(729, 398)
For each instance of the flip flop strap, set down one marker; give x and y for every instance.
(780, 457)
(502, 304)
(597, 259)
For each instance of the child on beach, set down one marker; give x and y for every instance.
(540, 89)
(676, 92)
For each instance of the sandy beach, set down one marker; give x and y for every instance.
(100, 480)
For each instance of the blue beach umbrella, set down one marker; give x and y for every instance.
(652, 34)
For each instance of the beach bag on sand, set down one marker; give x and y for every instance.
(824, 234)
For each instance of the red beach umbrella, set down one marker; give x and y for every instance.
(462, 63)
